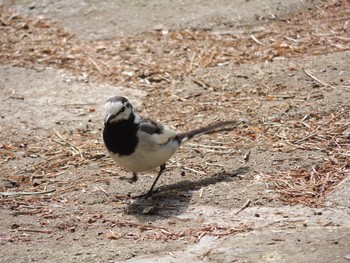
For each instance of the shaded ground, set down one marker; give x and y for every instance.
(190, 65)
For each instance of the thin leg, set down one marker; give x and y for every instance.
(150, 191)
(134, 177)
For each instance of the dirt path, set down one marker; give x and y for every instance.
(251, 60)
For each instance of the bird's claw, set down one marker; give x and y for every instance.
(131, 180)
(145, 195)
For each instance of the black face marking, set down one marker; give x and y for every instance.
(115, 115)
(121, 110)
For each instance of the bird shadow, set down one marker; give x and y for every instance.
(173, 199)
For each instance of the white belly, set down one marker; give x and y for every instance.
(147, 157)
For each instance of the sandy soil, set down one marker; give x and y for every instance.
(288, 203)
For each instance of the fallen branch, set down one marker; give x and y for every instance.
(317, 80)
(26, 193)
(35, 231)
(243, 207)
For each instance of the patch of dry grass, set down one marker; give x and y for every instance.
(154, 60)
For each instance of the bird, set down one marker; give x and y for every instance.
(139, 144)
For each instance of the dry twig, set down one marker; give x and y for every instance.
(317, 80)
(243, 207)
(26, 193)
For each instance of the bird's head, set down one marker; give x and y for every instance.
(117, 109)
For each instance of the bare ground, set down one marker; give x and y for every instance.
(282, 67)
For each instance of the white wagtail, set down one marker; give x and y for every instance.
(139, 144)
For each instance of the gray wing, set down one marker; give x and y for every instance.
(156, 132)
(151, 127)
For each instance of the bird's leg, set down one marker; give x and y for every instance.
(150, 191)
(132, 179)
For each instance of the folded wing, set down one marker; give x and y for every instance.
(157, 132)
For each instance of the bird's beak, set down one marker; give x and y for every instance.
(108, 118)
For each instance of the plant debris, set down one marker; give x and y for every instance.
(155, 62)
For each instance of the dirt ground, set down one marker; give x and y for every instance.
(275, 189)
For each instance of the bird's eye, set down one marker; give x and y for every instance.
(128, 105)
(121, 110)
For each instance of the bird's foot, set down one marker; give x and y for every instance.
(145, 195)
(131, 180)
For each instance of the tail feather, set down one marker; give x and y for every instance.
(212, 128)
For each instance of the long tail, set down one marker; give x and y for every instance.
(212, 128)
